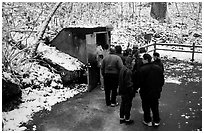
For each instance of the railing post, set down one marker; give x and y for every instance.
(193, 52)
(154, 47)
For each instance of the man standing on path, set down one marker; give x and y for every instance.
(151, 80)
(110, 68)
(126, 91)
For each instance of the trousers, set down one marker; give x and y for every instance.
(125, 106)
(148, 105)
(110, 87)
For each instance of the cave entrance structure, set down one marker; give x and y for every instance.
(81, 43)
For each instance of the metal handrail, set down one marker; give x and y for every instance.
(176, 45)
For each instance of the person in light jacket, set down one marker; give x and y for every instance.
(110, 68)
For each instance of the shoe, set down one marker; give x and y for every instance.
(129, 122)
(114, 105)
(149, 124)
(102, 88)
(156, 124)
(122, 120)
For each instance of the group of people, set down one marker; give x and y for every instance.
(127, 74)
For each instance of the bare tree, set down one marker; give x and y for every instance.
(44, 26)
(158, 10)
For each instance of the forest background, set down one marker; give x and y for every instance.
(21, 23)
(25, 24)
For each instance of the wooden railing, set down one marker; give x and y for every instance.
(193, 47)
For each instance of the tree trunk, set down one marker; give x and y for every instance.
(158, 10)
(43, 28)
(200, 7)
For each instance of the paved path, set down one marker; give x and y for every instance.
(180, 110)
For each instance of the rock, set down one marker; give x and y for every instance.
(11, 92)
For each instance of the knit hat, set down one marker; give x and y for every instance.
(147, 57)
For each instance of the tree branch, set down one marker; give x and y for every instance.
(34, 24)
(40, 33)
(45, 24)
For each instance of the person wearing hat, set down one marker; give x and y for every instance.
(110, 69)
(151, 80)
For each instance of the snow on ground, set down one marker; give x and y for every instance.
(58, 57)
(36, 100)
(172, 80)
(182, 72)
(45, 88)
(178, 55)
(181, 55)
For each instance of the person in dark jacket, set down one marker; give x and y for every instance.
(110, 68)
(157, 60)
(151, 80)
(126, 91)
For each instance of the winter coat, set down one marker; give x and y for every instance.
(122, 57)
(111, 64)
(125, 82)
(151, 80)
(159, 63)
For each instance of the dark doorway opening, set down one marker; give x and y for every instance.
(101, 39)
